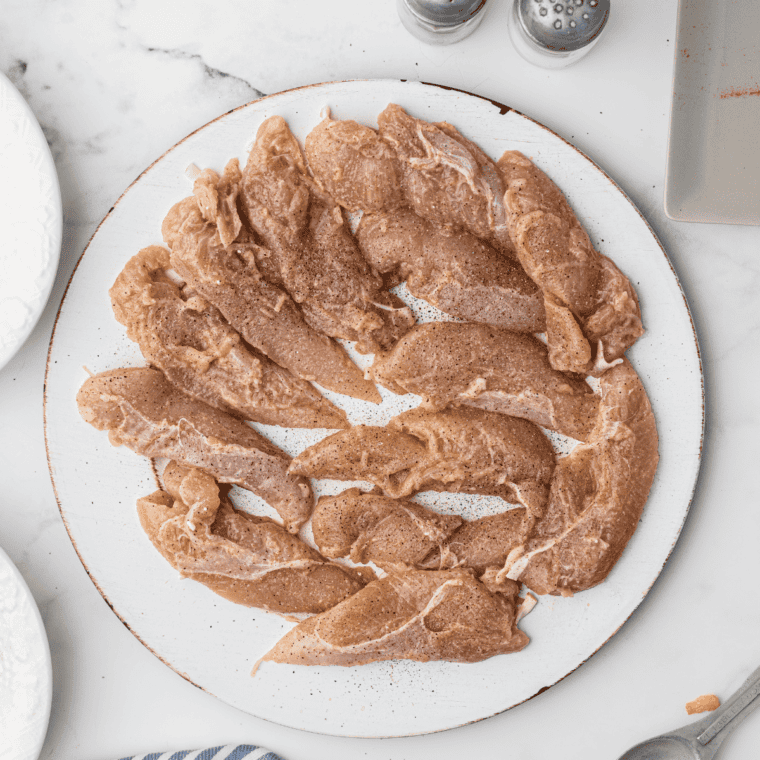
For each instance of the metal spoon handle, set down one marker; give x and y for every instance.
(738, 706)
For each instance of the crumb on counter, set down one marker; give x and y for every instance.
(705, 703)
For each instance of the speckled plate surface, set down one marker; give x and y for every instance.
(30, 218)
(214, 643)
(26, 675)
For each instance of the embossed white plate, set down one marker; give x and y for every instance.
(26, 676)
(214, 643)
(30, 218)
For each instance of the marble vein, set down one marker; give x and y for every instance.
(209, 71)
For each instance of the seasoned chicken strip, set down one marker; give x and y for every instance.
(368, 527)
(592, 311)
(312, 252)
(415, 615)
(455, 271)
(597, 494)
(446, 178)
(355, 165)
(484, 543)
(475, 451)
(456, 450)
(217, 200)
(341, 304)
(191, 343)
(377, 454)
(141, 410)
(481, 366)
(263, 314)
(247, 559)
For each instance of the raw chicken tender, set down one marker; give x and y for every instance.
(141, 410)
(217, 200)
(484, 543)
(355, 165)
(190, 342)
(368, 527)
(263, 314)
(597, 494)
(456, 450)
(474, 451)
(415, 615)
(447, 179)
(376, 454)
(480, 366)
(247, 559)
(455, 271)
(310, 250)
(592, 311)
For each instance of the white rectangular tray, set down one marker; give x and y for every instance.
(713, 172)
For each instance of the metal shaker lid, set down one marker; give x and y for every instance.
(563, 25)
(445, 12)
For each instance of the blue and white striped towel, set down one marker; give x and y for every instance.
(228, 752)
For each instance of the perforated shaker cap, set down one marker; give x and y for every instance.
(445, 12)
(563, 25)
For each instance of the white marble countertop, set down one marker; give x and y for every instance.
(114, 84)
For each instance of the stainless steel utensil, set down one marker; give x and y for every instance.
(702, 740)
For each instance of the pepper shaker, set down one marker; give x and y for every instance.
(441, 22)
(556, 33)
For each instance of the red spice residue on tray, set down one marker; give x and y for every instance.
(736, 92)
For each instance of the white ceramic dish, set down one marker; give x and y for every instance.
(26, 675)
(713, 172)
(214, 643)
(31, 220)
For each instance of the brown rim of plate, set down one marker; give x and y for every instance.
(503, 109)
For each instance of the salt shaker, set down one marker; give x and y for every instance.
(441, 22)
(556, 33)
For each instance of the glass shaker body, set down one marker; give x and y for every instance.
(554, 34)
(441, 22)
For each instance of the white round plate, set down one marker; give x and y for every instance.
(214, 643)
(30, 218)
(26, 675)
